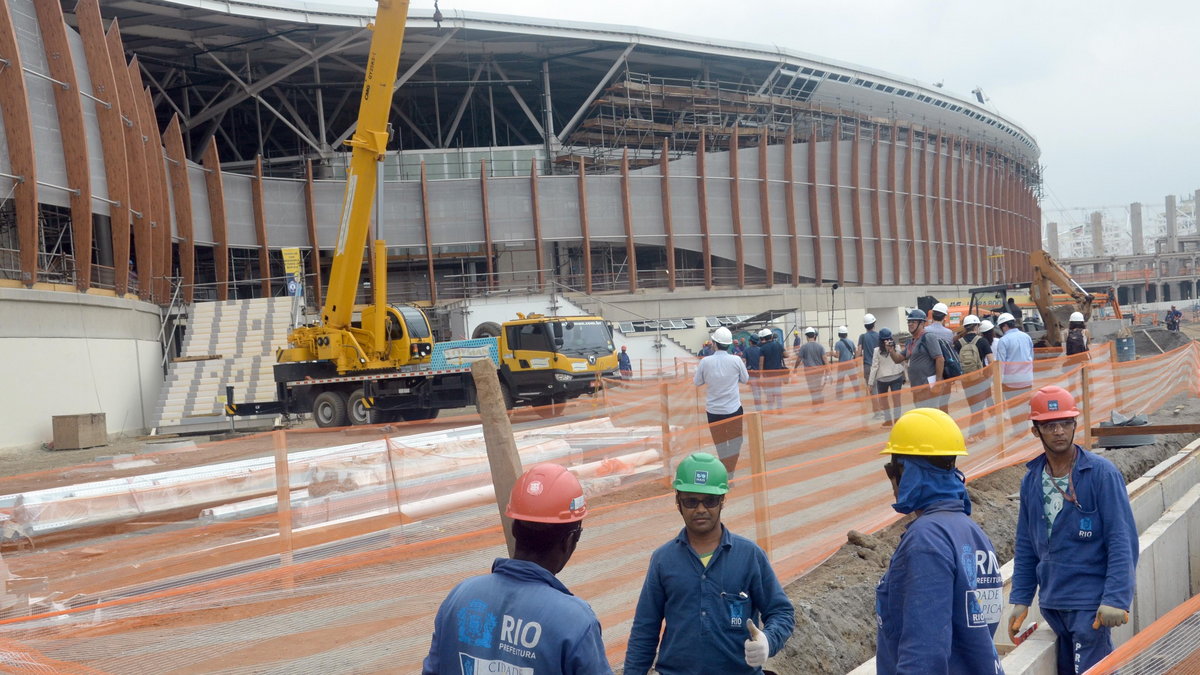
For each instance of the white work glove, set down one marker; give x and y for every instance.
(757, 647)
(1015, 618)
(1110, 617)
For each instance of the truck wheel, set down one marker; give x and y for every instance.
(486, 329)
(329, 409)
(419, 414)
(357, 413)
(508, 397)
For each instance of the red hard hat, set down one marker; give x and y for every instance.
(1052, 403)
(546, 493)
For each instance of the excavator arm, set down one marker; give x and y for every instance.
(1046, 272)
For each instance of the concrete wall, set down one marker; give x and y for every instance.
(67, 353)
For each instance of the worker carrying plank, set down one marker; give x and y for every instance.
(521, 618)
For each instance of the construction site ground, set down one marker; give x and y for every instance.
(835, 618)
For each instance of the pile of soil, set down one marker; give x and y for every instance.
(835, 603)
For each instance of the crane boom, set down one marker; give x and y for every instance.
(368, 144)
(1045, 272)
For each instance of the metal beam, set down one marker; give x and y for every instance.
(520, 101)
(462, 106)
(570, 125)
(249, 91)
(307, 137)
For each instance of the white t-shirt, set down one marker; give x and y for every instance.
(721, 373)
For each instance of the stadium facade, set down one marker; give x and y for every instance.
(151, 140)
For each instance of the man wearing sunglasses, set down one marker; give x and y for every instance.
(940, 601)
(521, 618)
(1077, 544)
(724, 608)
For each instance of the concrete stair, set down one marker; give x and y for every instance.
(244, 335)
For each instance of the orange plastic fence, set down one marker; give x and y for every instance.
(1169, 646)
(150, 569)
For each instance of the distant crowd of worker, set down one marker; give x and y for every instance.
(711, 602)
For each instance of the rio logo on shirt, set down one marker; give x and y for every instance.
(984, 598)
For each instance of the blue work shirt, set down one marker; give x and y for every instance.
(1090, 555)
(868, 342)
(844, 348)
(623, 362)
(752, 355)
(706, 609)
(939, 602)
(772, 353)
(518, 617)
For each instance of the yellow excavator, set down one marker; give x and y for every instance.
(385, 366)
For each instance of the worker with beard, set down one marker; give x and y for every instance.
(724, 609)
(1077, 544)
(941, 600)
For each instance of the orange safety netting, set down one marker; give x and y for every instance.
(182, 561)
(1169, 646)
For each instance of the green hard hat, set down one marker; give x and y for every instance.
(703, 473)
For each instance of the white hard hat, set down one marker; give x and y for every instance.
(766, 332)
(723, 336)
(971, 320)
(842, 330)
(941, 307)
(985, 326)
(868, 319)
(1077, 316)
(810, 331)
(1004, 318)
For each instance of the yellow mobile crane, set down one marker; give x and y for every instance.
(386, 367)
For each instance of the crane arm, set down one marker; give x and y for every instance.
(368, 146)
(1045, 272)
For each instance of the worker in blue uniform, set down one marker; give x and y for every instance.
(521, 618)
(940, 601)
(724, 609)
(1077, 544)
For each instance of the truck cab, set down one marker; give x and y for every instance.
(547, 360)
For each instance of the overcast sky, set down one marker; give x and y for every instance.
(1109, 89)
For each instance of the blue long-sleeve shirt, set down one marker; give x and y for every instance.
(940, 600)
(518, 617)
(1089, 557)
(706, 609)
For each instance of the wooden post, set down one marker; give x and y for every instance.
(998, 397)
(664, 403)
(758, 466)
(503, 459)
(1085, 390)
(283, 498)
(641, 369)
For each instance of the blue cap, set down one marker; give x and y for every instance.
(916, 315)
(885, 333)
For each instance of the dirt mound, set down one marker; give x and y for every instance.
(835, 603)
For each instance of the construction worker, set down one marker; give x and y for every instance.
(774, 371)
(1078, 338)
(887, 378)
(753, 358)
(721, 373)
(1077, 544)
(521, 618)
(844, 349)
(974, 353)
(925, 362)
(937, 326)
(868, 341)
(940, 601)
(1014, 350)
(1174, 316)
(812, 358)
(724, 609)
(624, 365)
(987, 331)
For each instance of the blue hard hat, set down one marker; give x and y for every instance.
(916, 315)
(885, 333)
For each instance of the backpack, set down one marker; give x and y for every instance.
(1075, 343)
(951, 367)
(968, 355)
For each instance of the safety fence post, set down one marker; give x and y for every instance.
(641, 369)
(1085, 391)
(998, 399)
(283, 501)
(503, 460)
(664, 402)
(391, 451)
(758, 467)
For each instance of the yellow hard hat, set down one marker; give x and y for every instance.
(925, 432)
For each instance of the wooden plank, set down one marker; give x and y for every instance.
(156, 174)
(735, 210)
(702, 198)
(894, 205)
(314, 246)
(584, 229)
(69, 105)
(135, 160)
(205, 357)
(18, 132)
(856, 206)
(627, 218)
(112, 136)
(537, 223)
(259, 208)
(433, 296)
(835, 190)
(789, 177)
(1189, 428)
(764, 209)
(487, 223)
(814, 213)
(935, 198)
(182, 191)
(877, 206)
(665, 162)
(216, 215)
(924, 232)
